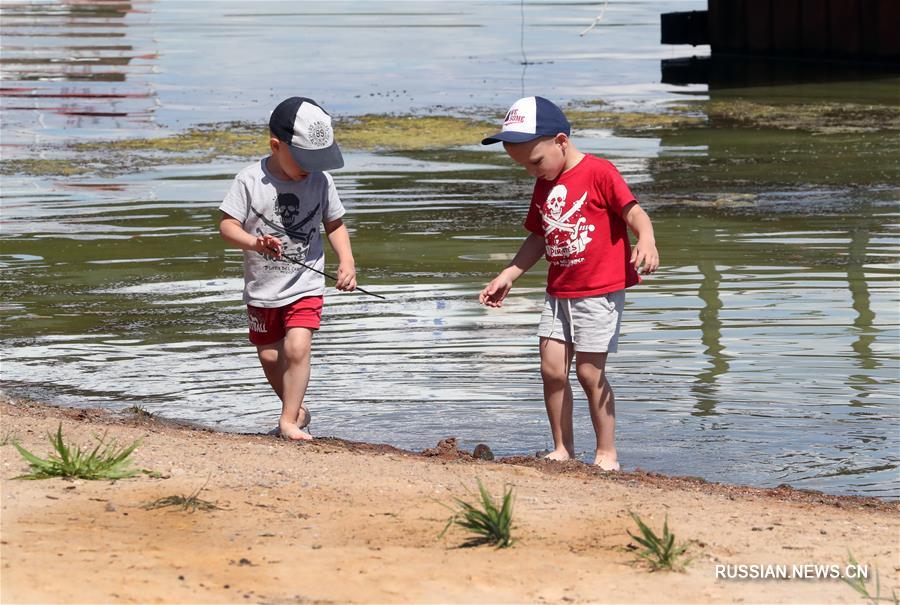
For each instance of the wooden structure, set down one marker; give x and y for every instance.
(841, 30)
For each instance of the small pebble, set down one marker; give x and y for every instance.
(483, 452)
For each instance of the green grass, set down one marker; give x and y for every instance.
(490, 523)
(660, 552)
(860, 585)
(106, 461)
(189, 503)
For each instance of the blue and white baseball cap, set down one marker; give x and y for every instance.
(306, 128)
(530, 118)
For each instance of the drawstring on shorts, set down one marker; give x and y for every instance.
(569, 319)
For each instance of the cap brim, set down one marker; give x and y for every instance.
(318, 160)
(510, 136)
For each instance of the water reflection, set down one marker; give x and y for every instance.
(736, 71)
(864, 323)
(705, 388)
(74, 65)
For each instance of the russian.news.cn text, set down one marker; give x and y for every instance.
(802, 571)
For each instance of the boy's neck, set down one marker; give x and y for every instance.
(573, 157)
(274, 168)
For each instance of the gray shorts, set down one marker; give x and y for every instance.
(590, 323)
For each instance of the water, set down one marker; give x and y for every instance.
(764, 352)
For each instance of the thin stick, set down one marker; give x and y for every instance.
(597, 19)
(296, 262)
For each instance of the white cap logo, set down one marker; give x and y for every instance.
(320, 134)
(312, 128)
(522, 116)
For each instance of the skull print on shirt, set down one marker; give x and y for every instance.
(566, 231)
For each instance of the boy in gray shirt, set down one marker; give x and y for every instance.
(273, 212)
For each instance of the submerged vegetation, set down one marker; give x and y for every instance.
(490, 523)
(409, 132)
(46, 167)
(821, 117)
(209, 142)
(594, 116)
(368, 133)
(428, 132)
(107, 460)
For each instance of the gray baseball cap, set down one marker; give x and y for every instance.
(306, 128)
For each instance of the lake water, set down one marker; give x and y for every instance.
(765, 351)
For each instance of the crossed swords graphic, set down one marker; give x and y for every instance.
(561, 224)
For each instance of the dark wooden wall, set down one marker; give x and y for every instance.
(840, 29)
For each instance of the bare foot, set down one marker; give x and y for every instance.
(558, 455)
(292, 432)
(607, 462)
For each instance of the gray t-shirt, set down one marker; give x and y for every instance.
(293, 212)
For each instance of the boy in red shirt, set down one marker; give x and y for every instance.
(579, 217)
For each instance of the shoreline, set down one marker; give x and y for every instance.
(341, 521)
(448, 450)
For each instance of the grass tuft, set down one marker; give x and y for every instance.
(860, 585)
(490, 524)
(659, 552)
(106, 461)
(190, 503)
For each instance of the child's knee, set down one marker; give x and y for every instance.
(296, 349)
(554, 374)
(268, 357)
(588, 373)
(592, 378)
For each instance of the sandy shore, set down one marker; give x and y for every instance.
(340, 522)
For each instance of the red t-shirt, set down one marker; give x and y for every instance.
(579, 215)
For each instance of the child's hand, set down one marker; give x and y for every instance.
(268, 245)
(645, 253)
(494, 293)
(346, 277)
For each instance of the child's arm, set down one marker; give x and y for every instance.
(233, 232)
(645, 249)
(530, 252)
(339, 238)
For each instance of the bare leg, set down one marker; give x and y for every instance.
(556, 360)
(591, 371)
(296, 348)
(277, 366)
(270, 358)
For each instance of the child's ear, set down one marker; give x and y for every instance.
(273, 144)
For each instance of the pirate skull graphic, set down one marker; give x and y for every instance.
(556, 200)
(288, 208)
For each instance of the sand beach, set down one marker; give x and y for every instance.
(342, 522)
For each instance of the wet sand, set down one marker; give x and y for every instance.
(340, 522)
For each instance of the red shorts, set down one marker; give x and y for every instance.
(269, 325)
